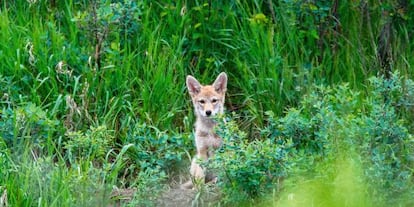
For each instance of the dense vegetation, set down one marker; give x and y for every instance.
(319, 105)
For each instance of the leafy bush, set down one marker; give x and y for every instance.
(26, 124)
(384, 137)
(149, 185)
(337, 120)
(296, 127)
(94, 144)
(153, 148)
(310, 126)
(9, 91)
(114, 20)
(245, 169)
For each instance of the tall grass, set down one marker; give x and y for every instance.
(265, 60)
(57, 88)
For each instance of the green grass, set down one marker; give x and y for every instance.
(56, 96)
(340, 187)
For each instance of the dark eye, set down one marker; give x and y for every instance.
(214, 101)
(202, 101)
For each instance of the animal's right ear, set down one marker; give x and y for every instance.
(220, 84)
(193, 85)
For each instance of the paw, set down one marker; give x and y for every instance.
(187, 185)
(214, 180)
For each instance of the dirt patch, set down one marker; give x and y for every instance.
(177, 197)
(121, 196)
(205, 195)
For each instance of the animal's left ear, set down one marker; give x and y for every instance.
(220, 84)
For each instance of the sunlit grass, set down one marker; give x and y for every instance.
(339, 184)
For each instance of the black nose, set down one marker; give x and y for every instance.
(208, 113)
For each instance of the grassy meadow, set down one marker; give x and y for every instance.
(94, 110)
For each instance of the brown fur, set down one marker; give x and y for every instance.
(208, 101)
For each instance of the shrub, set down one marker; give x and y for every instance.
(156, 149)
(149, 185)
(384, 137)
(26, 124)
(104, 22)
(247, 170)
(94, 144)
(337, 120)
(309, 127)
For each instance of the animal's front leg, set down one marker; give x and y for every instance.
(196, 170)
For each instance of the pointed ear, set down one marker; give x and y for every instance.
(220, 84)
(193, 85)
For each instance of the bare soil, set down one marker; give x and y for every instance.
(207, 195)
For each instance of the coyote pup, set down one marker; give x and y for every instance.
(208, 101)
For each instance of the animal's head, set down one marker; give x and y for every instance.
(208, 100)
